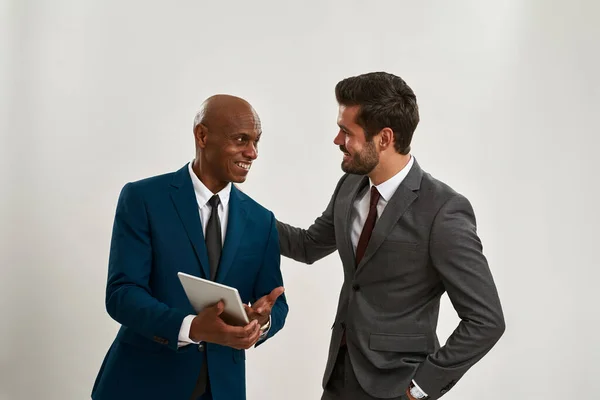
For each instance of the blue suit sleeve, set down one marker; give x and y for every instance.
(269, 278)
(129, 298)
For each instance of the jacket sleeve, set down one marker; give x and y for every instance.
(312, 244)
(269, 278)
(456, 253)
(129, 299)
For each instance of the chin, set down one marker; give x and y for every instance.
(238, 179)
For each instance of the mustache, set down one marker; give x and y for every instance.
(343, 148)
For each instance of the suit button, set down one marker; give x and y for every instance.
(201, 347)
(356, 287)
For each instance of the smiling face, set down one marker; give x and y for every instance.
(227, 142)
(230, 153)
(360, 155)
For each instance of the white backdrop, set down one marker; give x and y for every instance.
(98, 93)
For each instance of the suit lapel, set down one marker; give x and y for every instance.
(347, 205)
(236, 223)
(396, 207)
(186, 205)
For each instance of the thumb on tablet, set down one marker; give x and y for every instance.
(219, 307)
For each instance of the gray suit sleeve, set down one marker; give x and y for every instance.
(312, 244)
(456, 253)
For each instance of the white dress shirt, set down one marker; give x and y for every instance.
(386, 189)
(360, 210)
(203, 195)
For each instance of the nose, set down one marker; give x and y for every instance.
(251, 151)
(339, 139)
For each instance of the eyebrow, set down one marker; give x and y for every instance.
(342, 127)
(245, 134)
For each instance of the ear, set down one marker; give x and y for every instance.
(386, 138)
(200, 136)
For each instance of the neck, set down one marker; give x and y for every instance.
(388, 167)
(208, 179)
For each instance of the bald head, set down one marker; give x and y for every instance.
(224, 112)
(226, 132)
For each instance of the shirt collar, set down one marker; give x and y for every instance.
(203, 194)
(388, 188)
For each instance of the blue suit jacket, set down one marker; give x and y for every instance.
(157, 232)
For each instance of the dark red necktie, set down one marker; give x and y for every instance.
(369, 225)
(366, 235)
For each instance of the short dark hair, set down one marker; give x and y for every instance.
(385, 101)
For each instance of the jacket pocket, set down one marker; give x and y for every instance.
(398, 244)
(407, 343)
(135, 340)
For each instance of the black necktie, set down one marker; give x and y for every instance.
(213, 237)
(214, 247)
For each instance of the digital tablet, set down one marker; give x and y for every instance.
(203, 293)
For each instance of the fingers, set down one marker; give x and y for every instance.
(265, 303)
(241, 332)
(250, 311)
(245, 337)
(251, 327)
(216, 308)
(275, 293)
(258, 309)
(264, 309)
(252, 338)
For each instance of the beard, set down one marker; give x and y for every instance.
(361, 163)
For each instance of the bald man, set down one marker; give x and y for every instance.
(195, 221)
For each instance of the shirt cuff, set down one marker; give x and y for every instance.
(418, 387)
(265, 333)
(184, 332)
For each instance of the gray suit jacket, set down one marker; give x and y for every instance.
(424, 244)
